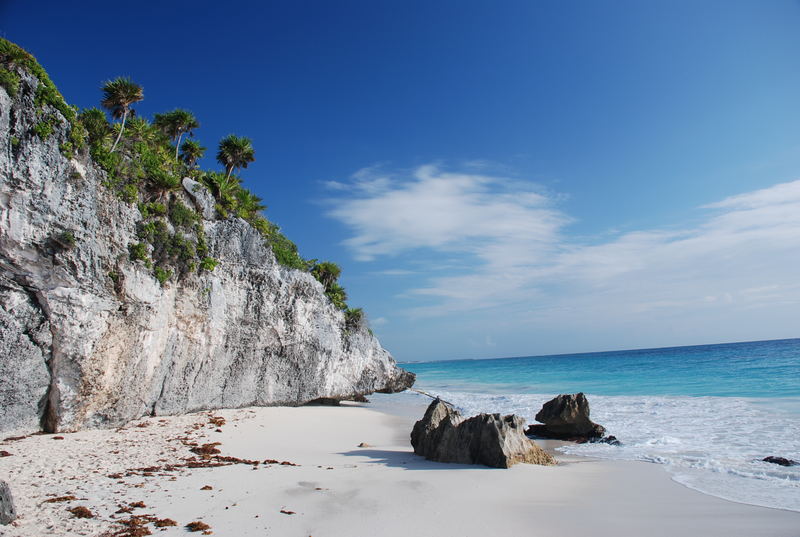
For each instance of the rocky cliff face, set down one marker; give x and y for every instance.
(89, 338)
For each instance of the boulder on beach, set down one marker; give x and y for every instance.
(567, 418)
(444, 435)
(8, 512)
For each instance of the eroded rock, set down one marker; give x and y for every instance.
(567, 418)
(8, 513)
(202, 198)
(444, 435)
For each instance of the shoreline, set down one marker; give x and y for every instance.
(338, 488)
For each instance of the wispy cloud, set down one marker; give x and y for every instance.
(456, 212)
(395, 272)
(745, 251)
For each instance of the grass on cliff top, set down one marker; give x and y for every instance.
(12, 55)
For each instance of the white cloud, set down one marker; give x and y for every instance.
(446, 211)
(784, 193)
(380, 321)
(395, 272)
(743, 254)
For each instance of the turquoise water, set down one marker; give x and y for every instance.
(753, 369)
(708, 413)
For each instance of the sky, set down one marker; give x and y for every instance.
(495, 178)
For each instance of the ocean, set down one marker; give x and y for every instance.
(707, 413)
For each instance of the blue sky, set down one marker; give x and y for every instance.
(495, 178)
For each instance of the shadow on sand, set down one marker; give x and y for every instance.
(408, 460)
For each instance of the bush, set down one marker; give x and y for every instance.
(138, 252)
(200, 233)
(129, 193)
(108, 162)
(156, 233)
(94, 123)
(66, 149)
(77, 137)
(10, 81)
(208, 263)
(181, 249)
(44, 128)
(285, 250)
(152, 209)
(65, 240)
(162, 275)
(181, 215)
(354, 319)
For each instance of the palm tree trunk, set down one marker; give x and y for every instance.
(177, 145)
(122, 128)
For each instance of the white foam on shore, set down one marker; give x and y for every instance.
(710, 444)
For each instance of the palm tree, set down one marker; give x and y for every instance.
(338, 295)
(235, 152)
(248, 205)
(191, 152)
(327, 273)
(140, 130)
(118, 96)
(221, 185)
(175, 124)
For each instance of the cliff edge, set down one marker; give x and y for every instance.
(90, 338)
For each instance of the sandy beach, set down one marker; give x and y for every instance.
(313, 479)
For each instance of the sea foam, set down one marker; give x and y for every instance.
(710, 444)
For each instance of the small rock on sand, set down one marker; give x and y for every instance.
(8, 513)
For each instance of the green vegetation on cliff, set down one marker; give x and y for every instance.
(144, 164)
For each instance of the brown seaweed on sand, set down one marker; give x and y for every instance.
(197, 526)
(81, 512)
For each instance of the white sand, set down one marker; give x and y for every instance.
(340, 489)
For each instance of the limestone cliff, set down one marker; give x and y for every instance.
(89, 338)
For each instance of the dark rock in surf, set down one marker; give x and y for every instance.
(444, 435)
(567, 418)
(782, 461)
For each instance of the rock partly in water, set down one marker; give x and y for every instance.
(567, 418)
(444, 435)
(89, 337)
(782, 461)
(8, 512)
(610, 440)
